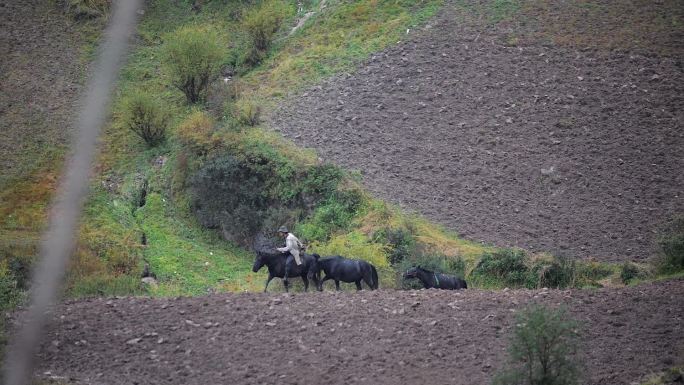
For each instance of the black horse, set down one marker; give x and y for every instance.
(283, 266)
(348, 270)
(431, 279)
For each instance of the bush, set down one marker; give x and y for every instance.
(671, 243)
(144, 115)
(247, 112)
(400, 241)
(193, 57)
(589, 273)
(87, 9)
(506, 266)
(335, 213)
(261, 24)
(230, 196)
(543, 349)
(630, 271)
(322, 180)
(437, 263)
(196, 133)
(560, 272)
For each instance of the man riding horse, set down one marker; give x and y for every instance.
(292, 246)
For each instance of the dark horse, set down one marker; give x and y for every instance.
(283, 266)
(348, 270)
(431, 279)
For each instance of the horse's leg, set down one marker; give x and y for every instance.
(358, 285)
(322, 281)
(306, 282)
(268, 280)
(288, 266)
(337, 284)
(367, 276)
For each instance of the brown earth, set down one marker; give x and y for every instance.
(506, 138)
(41, 75)
(380, 337)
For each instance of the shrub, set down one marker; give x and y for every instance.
(230, 196)
(193, 57)
(87, 9)
(144, 115)
(560, 272)
(400, 242)
(333, 214)
(589, 273)
(322, 180)
(261, 24)
(630, 271)
(542, 350)
(247, 112)
(506, 266)
(196, 133)
(671, 243)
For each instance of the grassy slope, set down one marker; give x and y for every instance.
(187, 258)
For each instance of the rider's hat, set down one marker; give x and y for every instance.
(283, 229)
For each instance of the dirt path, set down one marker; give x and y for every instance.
(381, 337)
(577, 152)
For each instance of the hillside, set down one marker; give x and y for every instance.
(532, 148)
(495, 124)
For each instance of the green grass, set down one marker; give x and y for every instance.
(187, 259)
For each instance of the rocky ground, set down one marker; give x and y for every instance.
(508, 140)
(380, 337)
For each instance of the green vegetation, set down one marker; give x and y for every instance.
(671, 243)
(145, 116)
(218, 175)
(261, 24)
(543, 349)
(193, 57)
(670, 376)
(87, 9)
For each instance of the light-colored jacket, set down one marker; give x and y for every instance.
(292, 245)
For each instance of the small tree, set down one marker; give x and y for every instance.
(261, 24)
(543, 349)
(144, 115)
(193, 57)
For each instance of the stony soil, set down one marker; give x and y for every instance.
(380, 337)
(515, 142)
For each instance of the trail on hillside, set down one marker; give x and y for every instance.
(380, 337)
(575, 151)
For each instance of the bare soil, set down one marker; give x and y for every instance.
(511, 139)
(380, 337)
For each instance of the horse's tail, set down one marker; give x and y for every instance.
(376, 282)
(465, 284)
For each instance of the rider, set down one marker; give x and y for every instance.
(292, 244)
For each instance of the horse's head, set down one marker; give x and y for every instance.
(411, 273)
(258, 261)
